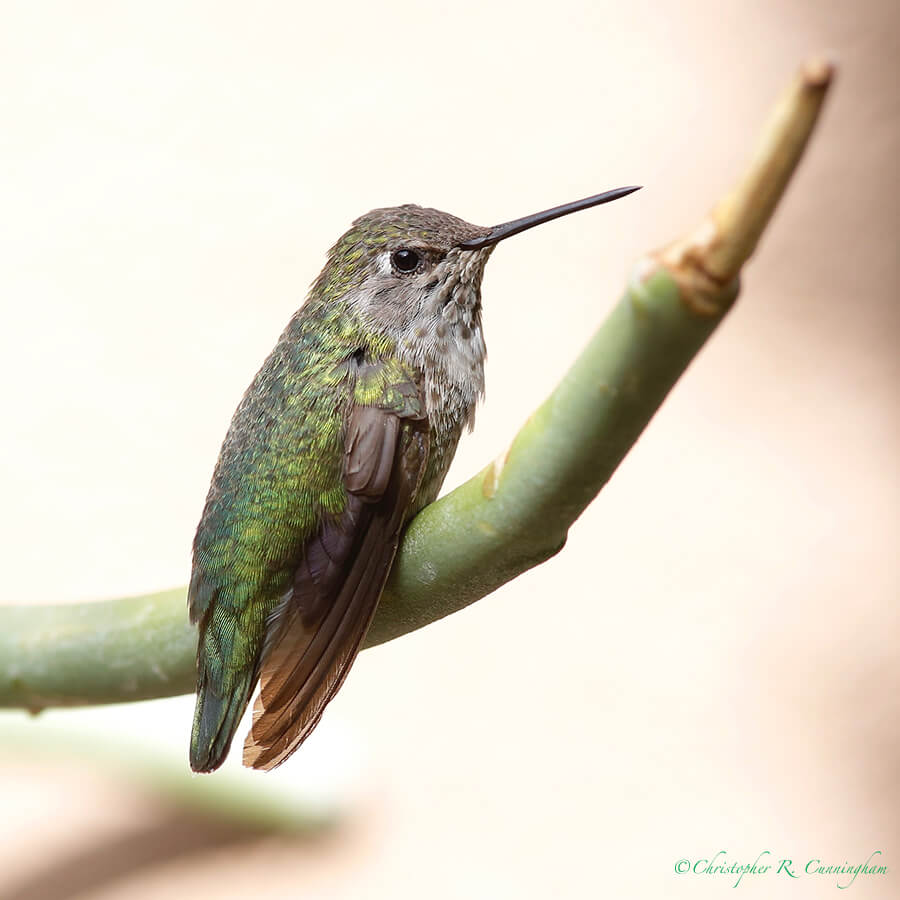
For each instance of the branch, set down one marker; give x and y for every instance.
(513, 515)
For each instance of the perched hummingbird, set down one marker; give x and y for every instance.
(346, 432)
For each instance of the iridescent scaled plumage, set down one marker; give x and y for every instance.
(346, 432)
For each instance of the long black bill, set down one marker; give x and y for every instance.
(508, 229)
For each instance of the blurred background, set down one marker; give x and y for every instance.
(709, 664)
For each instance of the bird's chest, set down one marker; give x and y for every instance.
(449, 352)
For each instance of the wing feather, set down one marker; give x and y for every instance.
(315, 633)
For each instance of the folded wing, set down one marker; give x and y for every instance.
(314, 634)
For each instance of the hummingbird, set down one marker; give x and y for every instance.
(345, 433)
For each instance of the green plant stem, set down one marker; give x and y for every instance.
(230, 799)
(511, 516)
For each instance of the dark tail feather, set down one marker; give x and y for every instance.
(215, 721)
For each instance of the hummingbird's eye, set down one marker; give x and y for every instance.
(405, 260)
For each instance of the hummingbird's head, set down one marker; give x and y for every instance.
(394, 264)
(411, 271)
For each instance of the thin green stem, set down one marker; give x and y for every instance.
(511, 516)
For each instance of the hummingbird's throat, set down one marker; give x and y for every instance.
(457, 283)
(444, 339)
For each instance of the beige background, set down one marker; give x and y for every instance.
(710, 663)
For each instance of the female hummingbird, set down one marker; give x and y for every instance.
(346, 432)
